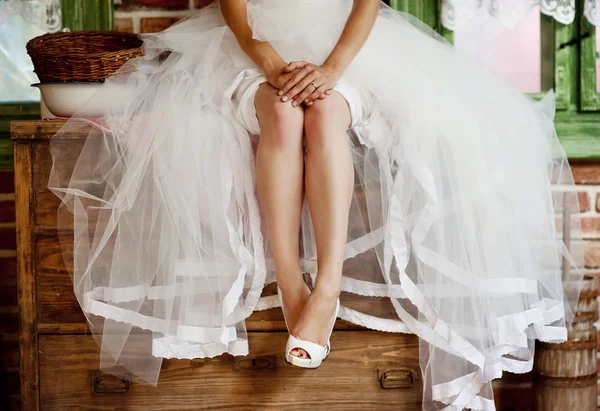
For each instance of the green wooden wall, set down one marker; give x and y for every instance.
(88, 14)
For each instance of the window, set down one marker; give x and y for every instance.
(513, 53)
(18, 100)
(16, 68)
(565, 58)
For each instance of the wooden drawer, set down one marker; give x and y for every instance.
(366, 370)
(60, 359)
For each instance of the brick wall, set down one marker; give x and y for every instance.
(149, 16)
(587, 176)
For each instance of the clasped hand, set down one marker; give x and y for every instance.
(304, 82)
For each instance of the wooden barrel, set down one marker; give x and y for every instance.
(565, 375)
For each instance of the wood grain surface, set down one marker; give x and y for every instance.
(350, 378)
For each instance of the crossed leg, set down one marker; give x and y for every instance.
(328, 182)
(279, 179)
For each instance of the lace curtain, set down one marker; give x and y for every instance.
(457, 12)
(45, 14)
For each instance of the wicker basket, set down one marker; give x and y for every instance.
(82, 56)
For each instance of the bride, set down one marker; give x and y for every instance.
(284, 103)
(258, 140)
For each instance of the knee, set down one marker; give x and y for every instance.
(324, 117)
(271, 111)
(320, 112)
(278, 121)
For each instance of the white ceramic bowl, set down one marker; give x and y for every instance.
(66, 99)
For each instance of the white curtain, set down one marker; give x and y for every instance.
(20, 21)
(591, 11)
(45, 14)
(455, 13)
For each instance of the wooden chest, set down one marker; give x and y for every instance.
(59, 358)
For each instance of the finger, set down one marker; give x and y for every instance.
(316, 94)
(325, 94)
(300, 87)
(292, 82)
(293, 65)
(304, 94)
(284, 78)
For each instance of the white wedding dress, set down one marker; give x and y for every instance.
(453, 223)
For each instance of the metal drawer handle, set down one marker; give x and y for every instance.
(108, 384)
(398, 378)
(266, 362)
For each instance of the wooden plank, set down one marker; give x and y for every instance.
(431, 14)
(9, 390)
(41, 129)
(57, 305)
(572, 117)
(446, 33)
(424, 10)
(350, 378)
(59, 310)
(589, 97)
(48, 216)
(566, 54)
(579, 133)
(9, 355)
(6, 154)
(546, 52)
(28, 338)
(566, 374)
(25, 110)
(578, 147)
(8, 113)
(514, 392)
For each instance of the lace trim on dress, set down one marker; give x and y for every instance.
(45, 14)
(455, 13)
(590, 11)
(170, 347)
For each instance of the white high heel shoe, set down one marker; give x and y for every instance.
(316, 352)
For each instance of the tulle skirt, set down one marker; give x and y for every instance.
(453, 232)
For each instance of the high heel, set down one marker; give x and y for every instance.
(316, 352)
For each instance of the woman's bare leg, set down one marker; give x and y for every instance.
(329, 183)
(279, 179)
